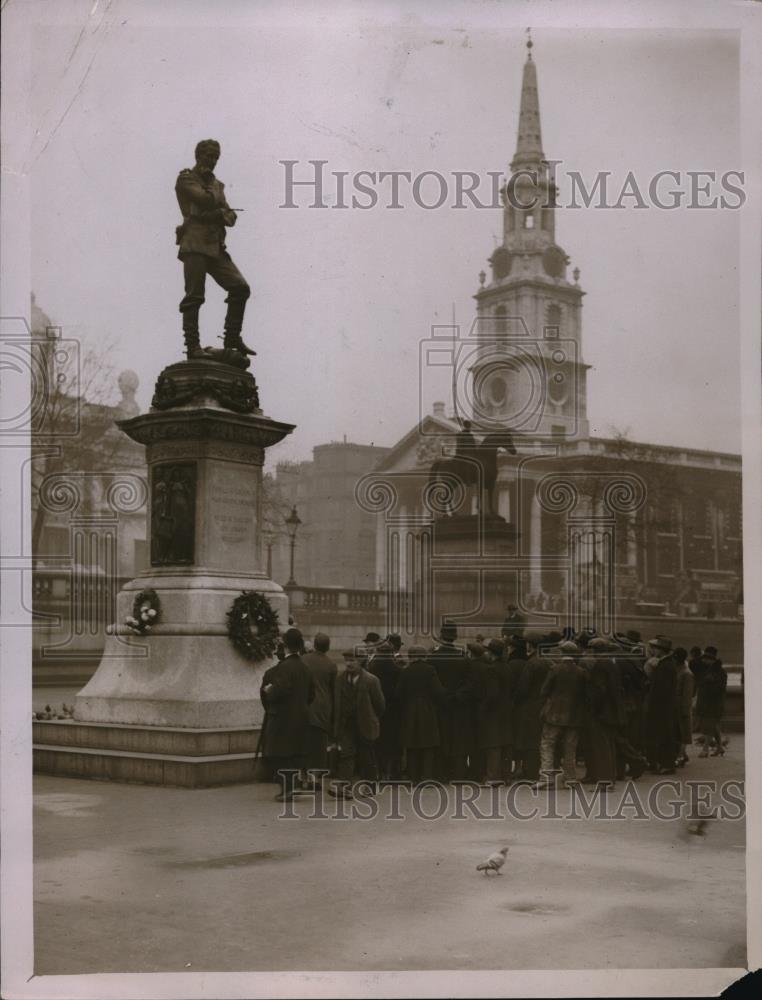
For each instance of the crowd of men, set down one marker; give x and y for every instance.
(516, 708)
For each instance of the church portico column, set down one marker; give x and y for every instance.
(535, 543)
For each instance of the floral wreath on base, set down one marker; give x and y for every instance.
(146, 609)
(253, 626)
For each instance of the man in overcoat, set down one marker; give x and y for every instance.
(529, 703)
(662, 709)
(358, 707)
(286, 693)
(684, 703)
(514, 622)
(455, 712)
(563, 694)
(710, 700)
(323, 672)
(605, 715)
(630, 659)
(494, 684)
(419, 694)
(388, 749)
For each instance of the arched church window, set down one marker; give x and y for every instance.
(501, 321)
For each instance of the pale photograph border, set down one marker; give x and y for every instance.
(15, 643)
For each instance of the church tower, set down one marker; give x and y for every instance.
(530, 374)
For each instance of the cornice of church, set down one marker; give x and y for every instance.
(558, 285)
(720, 461)
(673, 449)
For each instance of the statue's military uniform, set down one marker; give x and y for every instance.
(201, 239)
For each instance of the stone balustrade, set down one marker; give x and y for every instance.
(336, 599)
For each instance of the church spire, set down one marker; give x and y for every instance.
(529, 143)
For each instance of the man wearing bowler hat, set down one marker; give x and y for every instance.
(455, 711)
(286, 693)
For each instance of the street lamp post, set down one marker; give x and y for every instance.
(292, 524)
(268, 537)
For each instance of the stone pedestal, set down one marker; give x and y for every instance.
(205, 439)
(471, 555)
(205, 483)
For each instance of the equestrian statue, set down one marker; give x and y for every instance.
(474, 464)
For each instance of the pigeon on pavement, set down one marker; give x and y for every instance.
(494, 862)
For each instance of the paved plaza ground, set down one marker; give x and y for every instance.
(132, 878)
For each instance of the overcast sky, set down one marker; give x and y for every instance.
(341, 299)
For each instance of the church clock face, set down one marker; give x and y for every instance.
(554, 262)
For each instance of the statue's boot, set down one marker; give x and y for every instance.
(234, 342)
(193, 348)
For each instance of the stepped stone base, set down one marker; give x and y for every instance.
(148, 755)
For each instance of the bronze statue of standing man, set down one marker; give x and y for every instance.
(201, 239)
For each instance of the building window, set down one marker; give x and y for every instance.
(528, 222)
(699, 534)
(730, 522)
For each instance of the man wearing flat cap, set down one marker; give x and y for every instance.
(563, 693)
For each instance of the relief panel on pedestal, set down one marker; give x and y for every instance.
(173, 514)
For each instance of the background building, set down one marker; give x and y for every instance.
(674, 543)
(88, 499)
(336, 542)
